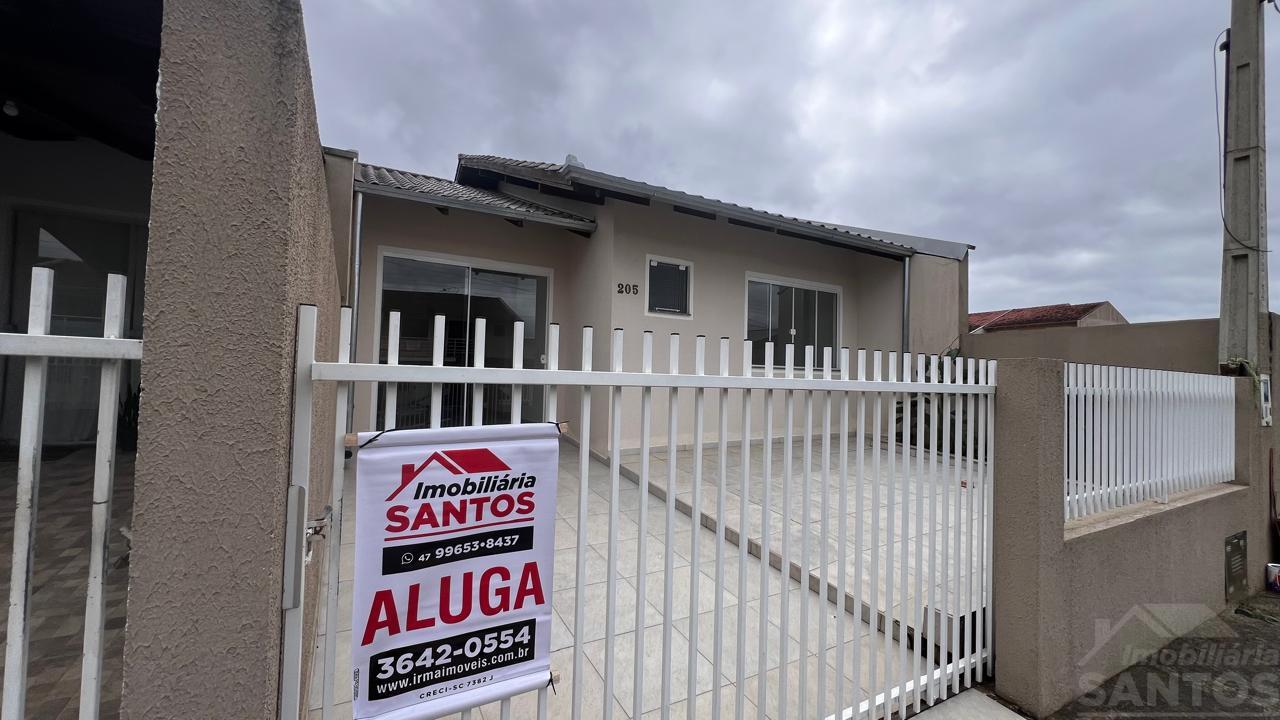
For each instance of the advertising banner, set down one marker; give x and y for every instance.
(455, 533)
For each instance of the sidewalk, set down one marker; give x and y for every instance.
(1226, 672)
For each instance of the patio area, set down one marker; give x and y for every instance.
(60, 577)
(929, 513)
(859, 638)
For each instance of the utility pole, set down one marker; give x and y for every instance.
(1244, 330)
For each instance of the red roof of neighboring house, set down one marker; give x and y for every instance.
(1040, 315)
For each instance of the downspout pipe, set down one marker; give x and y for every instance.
(357, 245)
(906, 304)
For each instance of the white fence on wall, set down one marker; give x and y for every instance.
(1134, 435)
(37, 347)
(895, 448)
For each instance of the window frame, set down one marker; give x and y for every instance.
(649, 259)
(797, 284)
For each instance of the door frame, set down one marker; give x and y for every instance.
(479, 263)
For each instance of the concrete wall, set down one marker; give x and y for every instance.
(1186, 345)
(1074, 601)
(239, 237)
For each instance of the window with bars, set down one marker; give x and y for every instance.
(669, 284)
(781, 313)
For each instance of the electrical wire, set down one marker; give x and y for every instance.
(1222, 150)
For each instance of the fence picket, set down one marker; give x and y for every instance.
(391, 393)
(842, 536)
(877, 413)
(905, 504)
(336, 494)
(35, 375)
(584, 469)
(642, 512)
(919, 485)
(668, 565)
(784, 632)
(944, 655)
(806, 534)
(824, 573)
(766, 530)
(860, 580)
(722, 447)
(743, 527)
(695, 557)
(956, 517)
(615, 471)
(891, 491)
(103, 481)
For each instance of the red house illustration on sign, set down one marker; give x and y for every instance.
(467, 461)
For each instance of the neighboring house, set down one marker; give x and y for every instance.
(1082, 315)
(560, 243)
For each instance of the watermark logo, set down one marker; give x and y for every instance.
(1162, 660)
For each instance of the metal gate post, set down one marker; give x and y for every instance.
(336, 510)
(296, 519)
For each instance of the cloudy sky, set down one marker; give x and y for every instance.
(1072, 142)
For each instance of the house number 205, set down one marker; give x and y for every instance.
(628, 289)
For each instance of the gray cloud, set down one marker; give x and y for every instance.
(1073, 143)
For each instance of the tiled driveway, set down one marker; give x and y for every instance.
(902, 516)
(60, 578)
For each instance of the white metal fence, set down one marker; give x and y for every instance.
(1134, 435)
(879, 511)
(111, 351)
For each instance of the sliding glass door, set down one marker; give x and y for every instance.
(422, 289)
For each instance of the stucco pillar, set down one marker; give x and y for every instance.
(239, 237)
(1029, 595)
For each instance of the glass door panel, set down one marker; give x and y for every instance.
(502, 298)
(420, 290)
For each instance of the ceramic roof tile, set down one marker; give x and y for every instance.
(457, 193)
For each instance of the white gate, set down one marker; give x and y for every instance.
(852, 558)
(37, 347)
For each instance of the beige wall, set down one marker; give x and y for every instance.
(1105, 314)
(1060, 586)
(587, 273)
(722, 255)
(939, 303)
(1186, 345)
(239, 237)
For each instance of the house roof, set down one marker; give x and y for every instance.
(439, 192)
(1039, 315)
(572, 175)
